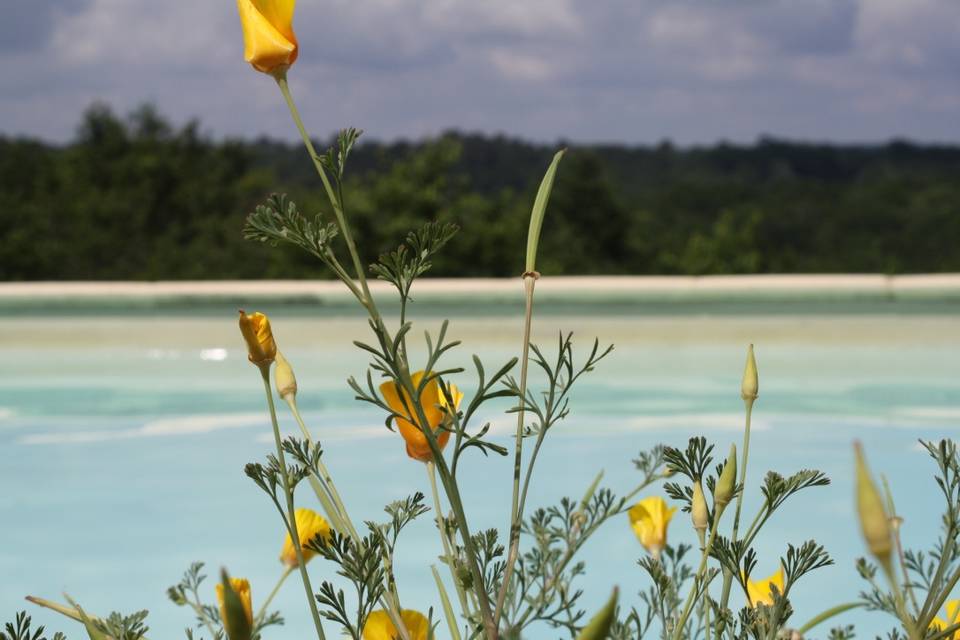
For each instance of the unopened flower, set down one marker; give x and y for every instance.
(750, 386)
(241, 587)
(268, 40)
(727, 482)
(698, 508)
(283, 377)
(310, 524)
(261, 348)
(953, 617)
(380, 627)
(436, 410)
(761, 592)
(873, 516)
(649, 519)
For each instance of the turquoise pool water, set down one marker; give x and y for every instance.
(124, 438)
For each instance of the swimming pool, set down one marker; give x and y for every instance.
(125, 434)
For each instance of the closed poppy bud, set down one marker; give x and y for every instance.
(310, 524)
(599, 626)
(261, 348)
(283, 376)
(723, 492)
(268, 40)
(236, 607)
(750, 386)
(873, 517)
(379, 626)
(698, 508)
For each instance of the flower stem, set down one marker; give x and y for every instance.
(448, 552)
(331, 195)
(829, 613)
(276, 589)
(291, 516)
(701, 571)
(727, 576)
(516, 515)
(326, 479)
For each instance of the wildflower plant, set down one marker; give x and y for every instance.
(512, 582)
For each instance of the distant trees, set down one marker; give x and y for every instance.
(135, 198)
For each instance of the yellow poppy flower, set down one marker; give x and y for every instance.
(310, 524)
(953, 617)
(379, 626)
(242, 587)
(435, 409)
(268, 40)
(261, 348)
(759, 592)
(649, 519)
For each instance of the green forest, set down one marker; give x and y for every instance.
(134, 197)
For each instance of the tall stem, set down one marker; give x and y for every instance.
(516, 515)
(276, 588)
(448, 552)
(701, 571)
(331, 195)
(727, 576)
(291, 516)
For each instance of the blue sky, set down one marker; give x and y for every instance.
(636, 71)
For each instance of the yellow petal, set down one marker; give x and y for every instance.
(269, 43)
(242, 587)
(760, 591)
(310, 524)
(379, 626)
(650, 518)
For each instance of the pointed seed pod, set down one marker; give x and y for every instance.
(283, 376)
(599, 626)
(750, 386)
(698, 508)
(873, 517)
(727, 482)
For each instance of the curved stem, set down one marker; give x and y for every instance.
(331, 195)
(291, 517)
(826, 615)
(276, 589)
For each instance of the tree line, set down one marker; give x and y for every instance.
(136, 198)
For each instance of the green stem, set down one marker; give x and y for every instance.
(340, 510)
(453, 495)
(447, 551)
(516, 508)
(331, 195)
(727, 576)
(291, 516)
(326, 479)
(701, 571)
(937, 602)
(908, 624)
(826, 615)
(276, 589)
(448, 613)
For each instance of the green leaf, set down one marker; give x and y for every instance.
(599, 626)
(539, 209)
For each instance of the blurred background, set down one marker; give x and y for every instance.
(736, 137)
(741, 137)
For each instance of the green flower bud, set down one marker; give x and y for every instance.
(283, 377)
(599, 626)
(698, 508)
(750, 386)
(873, 517)
(723, 492)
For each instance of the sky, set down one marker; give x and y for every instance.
(631, 71)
